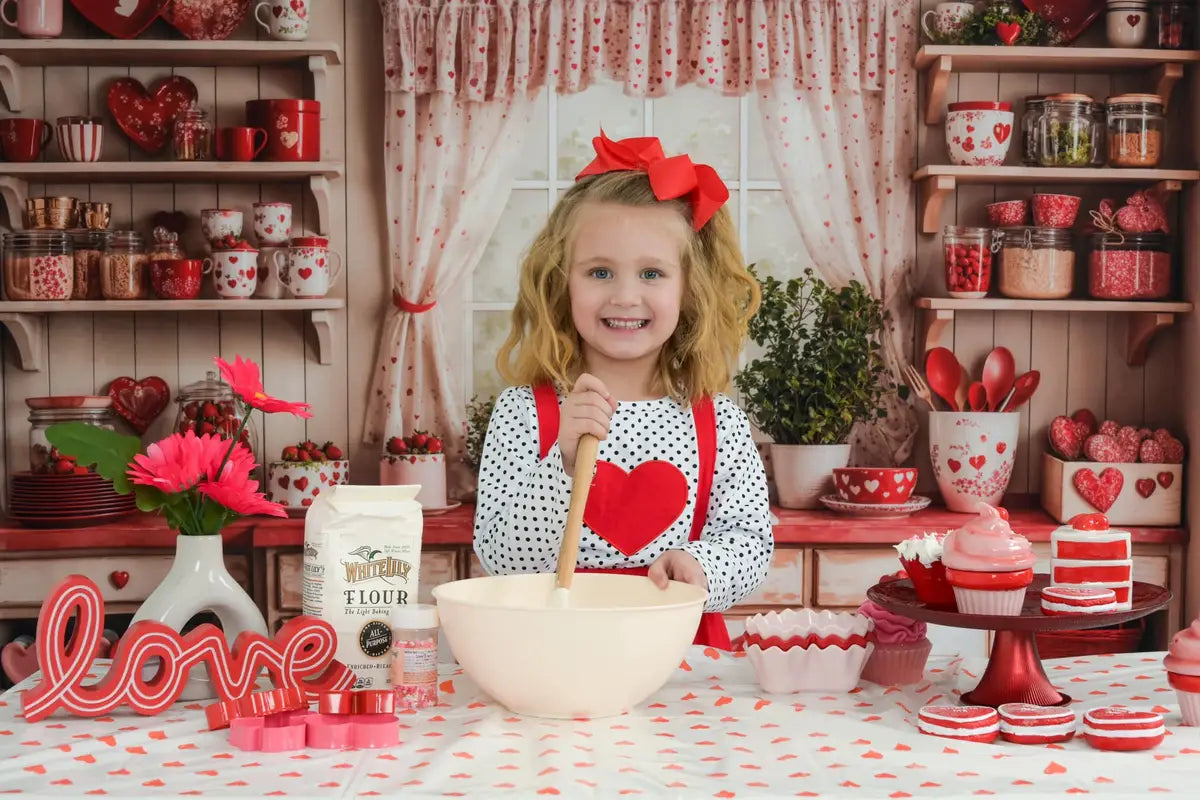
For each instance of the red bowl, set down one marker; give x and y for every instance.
(1055, 210)
(177, 278)
(1007, 214)
(878, 485)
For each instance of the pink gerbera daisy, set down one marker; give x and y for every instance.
(178, 462)
(243, 377)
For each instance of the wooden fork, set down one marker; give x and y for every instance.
(918, 385)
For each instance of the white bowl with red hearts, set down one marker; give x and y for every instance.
(295, 484)
(978, 133)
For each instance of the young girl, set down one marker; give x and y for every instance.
(632, 307)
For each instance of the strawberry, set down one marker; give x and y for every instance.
(205, 427)
(191, 410)
(209, 411)
(80, 470)
(418, 439)
(333, 452)
(309, 445)
(317, 454)
(434, 444)
(396, 445)
(63, 467)
(303, 455)
(291, 453)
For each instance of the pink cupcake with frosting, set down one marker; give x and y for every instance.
(1183, 671)
(988, 565)
(901, 647)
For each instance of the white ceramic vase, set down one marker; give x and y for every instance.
(197, 582)
(972, 454)
(804, 472)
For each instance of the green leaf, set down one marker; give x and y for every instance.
(149, 499)
(109, 451)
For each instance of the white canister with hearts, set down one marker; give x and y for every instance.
(978, 133)
(273, 223)
(308, 267)
(235, 272)
(972, 454)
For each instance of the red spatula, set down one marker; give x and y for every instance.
(1023, 389)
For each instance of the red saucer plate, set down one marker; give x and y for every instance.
(875, 510)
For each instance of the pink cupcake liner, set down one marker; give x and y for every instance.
(1189, 706)
(898, 664)
(808, 669)
(991, 602)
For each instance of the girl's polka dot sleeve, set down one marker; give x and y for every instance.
(521, 507)
(737, 541)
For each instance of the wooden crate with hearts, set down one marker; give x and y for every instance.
(1128, 493)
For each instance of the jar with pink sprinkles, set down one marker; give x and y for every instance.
(1129, 266)
(414, 671)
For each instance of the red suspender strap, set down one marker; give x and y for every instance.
(705, 418)
(546, 400)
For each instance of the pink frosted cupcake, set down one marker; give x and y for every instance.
(1183, 672)
(988, 565)
(901, 648)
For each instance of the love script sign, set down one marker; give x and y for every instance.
(300, 656)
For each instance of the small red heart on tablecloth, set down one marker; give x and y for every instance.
(147, 117)
(206, 19)
(1165, 479)
(117, 19)
(139, 402)
(977, 461)
(301, 483)
(631, 509)
(119, 578)
(1001, 131)
(1008, 31)
(954, 466)
(1144, 486)
(1100, 491)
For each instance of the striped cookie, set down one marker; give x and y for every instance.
(1024, 723)
(1120, 728)
(965, 723)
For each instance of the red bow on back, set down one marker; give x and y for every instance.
(669, 177)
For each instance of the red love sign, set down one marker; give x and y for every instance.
(124, 19)
(139, 402)
(206, 19)
(146, 117)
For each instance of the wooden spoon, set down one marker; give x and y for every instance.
(944, 374)
(998, 372)
(568, 551)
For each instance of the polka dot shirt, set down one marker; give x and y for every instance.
(522, 504)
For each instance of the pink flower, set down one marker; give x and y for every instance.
(177, 463)
(240, 497)
(243, 377)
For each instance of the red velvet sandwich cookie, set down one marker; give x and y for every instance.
(965, 723)
(1023, 723)
(1077, 600)
(1120, 728)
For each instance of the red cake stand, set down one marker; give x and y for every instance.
(1014, 672)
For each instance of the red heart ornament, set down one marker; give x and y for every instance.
(631, 509)
(125, 19)
(206, 19)
(1144, 486)
(18, 658)
(146, 117)
(1101, 492)
(1165, 479)
(139, 402)
(119, 578)
(1001, 132)
(1008, 32)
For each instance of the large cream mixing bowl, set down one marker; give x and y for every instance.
(616, 643)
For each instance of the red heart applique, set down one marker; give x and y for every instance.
(1144, 486)
(147, 117)
(109, 18)
(631, 509)
(301, 483)
(1165, 479)
(1101, 492)
(1001, 132)
(977, 461)
(305, 272)
(139, 402)
(119, 578)
(207, 19)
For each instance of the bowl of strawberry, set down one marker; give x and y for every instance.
(416, 460)
(303, 470)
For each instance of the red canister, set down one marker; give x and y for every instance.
(293, 128)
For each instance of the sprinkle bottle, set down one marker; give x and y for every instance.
(414, 672)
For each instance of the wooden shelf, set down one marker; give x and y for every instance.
(26, 320)
(937, 181)
(939, 62)
(19, 53)
(1145, 318)
(15, 177)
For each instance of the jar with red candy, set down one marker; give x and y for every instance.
(968, 261)
(1129, 266)
(210, 406)
(1175, 22)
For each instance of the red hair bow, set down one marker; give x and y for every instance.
(670, 177)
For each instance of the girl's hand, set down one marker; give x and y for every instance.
(587, 409)
(678, 565)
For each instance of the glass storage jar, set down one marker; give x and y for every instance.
(210, 406)
(968, 253)
(165, 245)
(38, 265)
(1129, 266)
(1175, 25)
(192, 135)
(47, 411)
(1069, 131)
(1127, 23)
(1135, 130)
(124, 267)
(1036, 263)
(1030, 143)
(88, 245)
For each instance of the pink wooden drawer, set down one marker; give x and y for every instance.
(784, 584)
(842, 576)
(437, 566)
(26, 582)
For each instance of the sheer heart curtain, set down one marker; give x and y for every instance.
(835, 86)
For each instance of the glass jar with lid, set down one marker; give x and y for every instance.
(38, 265)
(210, 406)
(124, 267)
(165, 245)
(1030, 143)
(46, 411)
(1129, 266)
(192, 135)
(1135, 130)
(1175, 24)
(1069, 131)
(968, 253)
(1036, 263)
(88, 245)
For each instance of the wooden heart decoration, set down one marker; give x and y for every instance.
(1145, 486)
(139, 402)
(146, 117)
(124, 19)
(1100, 491)
(206, 19)
(631, 509)
(1070, 17)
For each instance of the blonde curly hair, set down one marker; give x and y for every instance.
(719, 298)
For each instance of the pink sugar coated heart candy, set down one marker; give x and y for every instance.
(1102, 447)
(1087, 418)
(1161, 435)
(1145, 433)
(1172, 451)
(1108, 207)
(1066, 437)
(1110, 427)
(1150, 452)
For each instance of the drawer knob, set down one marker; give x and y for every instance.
(118, 578)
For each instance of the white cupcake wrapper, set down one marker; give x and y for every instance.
(808, 669)
(1189, 706)
(991, 602)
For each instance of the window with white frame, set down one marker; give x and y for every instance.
(721, 131)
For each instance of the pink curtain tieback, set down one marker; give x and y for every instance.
(412, 308)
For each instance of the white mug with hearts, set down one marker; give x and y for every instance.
(286, 20)
(273, 223)
(978, 133)
(972, 453)
(235, 272)
(308, 267)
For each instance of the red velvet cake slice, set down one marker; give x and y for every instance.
(1024, 723)
(966, 723)
(1078, 600)
(1120, 728)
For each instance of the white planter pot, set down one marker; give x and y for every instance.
(426, 470)
(804, 472)
(972, 454)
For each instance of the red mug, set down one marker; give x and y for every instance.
(240, 144)
(177, 278)
(24, 138)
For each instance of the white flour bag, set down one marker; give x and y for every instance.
(362, 557)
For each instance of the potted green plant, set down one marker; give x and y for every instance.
(820, 371)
